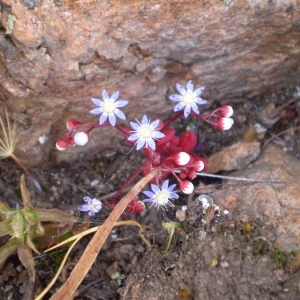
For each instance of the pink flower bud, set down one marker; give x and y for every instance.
(192, 174)
(226, 111)
(186, 186)
(135, 207)
(182, 175)
(61, 144)
(182, 158)
(72, 124)
(71, 141)
(225, 123)
(81, 138)
(197, 163)
(178, 159)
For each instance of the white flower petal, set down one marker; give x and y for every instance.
(195, 108)
(180, 88)
(140, 144)
(151, 144)
(154, 124)
(135, 126)
(148, 194)
(103, 118)
(96, 101)
(201, 101)
(190, 86)
(133, 137)
(96, 111)
(175, 98)
(105, 95)
(112, 120)
(199, 90)
(120, 114)
(144, 120)
(165, 184)
(121, 103)
(158, 135)
(115, 95)
(187, 111)
(179, 106)
(174, 195)
(84, 207)
(155, 188)
(172, 187)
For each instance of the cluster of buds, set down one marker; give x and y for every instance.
(174, 155)
(163, 149)
(222, 116)
(78, 134)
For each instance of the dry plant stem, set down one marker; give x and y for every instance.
(203, 174)
(93, 248)
(76, 239)
(279, 134)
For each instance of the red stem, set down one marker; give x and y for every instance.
(178, 115)
(124, 186)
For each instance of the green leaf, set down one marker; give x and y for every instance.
(5, 228)
(4, 209)
(54, 215)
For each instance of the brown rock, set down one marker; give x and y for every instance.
(275, 204)
(235, 157)
(56, 55)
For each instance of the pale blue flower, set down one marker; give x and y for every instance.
(92, 206)
(161, 197)
(188, 99)
(145, 133)
(109, 108)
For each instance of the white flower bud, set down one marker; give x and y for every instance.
(81, 138)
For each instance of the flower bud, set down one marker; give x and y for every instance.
(186, 186)
(182, 175)
(135, 208)
(226, 111)
(61, 144)
(182, 158)
(81, 138)
(72, 124)
(197, 163)
(224, 123)
(179, 158)
(192, 174)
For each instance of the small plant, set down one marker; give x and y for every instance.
(25, 226)
(8, 141)
(166, 154)
(164, 150)
(8, 137)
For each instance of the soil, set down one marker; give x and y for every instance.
(227, 259)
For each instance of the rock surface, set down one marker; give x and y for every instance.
(276, 204)
(55, 55)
